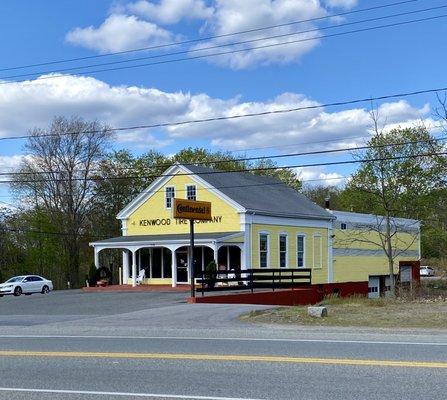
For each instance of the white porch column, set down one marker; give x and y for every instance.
(134, 268)
(216, 251)
(173, 267)
(125, 267)
(243, 260)
(96, 250)
(246, 249)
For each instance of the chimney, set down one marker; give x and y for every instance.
(327, 203)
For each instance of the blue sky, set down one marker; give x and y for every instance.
(360, 65)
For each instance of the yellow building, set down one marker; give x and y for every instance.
(257, 222)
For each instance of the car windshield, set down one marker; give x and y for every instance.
(14, 279)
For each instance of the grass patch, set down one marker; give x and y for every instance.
(361, 312)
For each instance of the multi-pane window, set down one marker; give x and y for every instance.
(318, 252)
(343, 226)
(263, 250)
(169, 195)
(300, 244)
(191, 192)
(282, 251)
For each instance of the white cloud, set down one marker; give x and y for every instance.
(341, 3)
(9, 163)
(136, 24)
(171, 11)
(120, 32)
(40, 100)
(234, 16)
(317, 176)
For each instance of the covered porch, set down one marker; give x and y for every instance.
(165, 260)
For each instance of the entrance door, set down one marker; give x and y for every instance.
(374, 287)
(181, 258)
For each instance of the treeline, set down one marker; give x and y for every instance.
(70, 187)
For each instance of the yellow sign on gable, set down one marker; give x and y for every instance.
(192, 209)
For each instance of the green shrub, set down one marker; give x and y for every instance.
(210, 277)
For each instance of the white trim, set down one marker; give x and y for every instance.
(167, 175)
(166, 197)
(296, 222)
(212, 189)
(268, 248)
(303, 235)
(195, 189)
(146, 193)
(279, 249)
(314, 236)
(164, 243)
(124, 227)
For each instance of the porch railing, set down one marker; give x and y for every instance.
(251, 279)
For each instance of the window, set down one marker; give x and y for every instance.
(191, 192)
(300, 247)
(318, 251)
(169, 195)
(343, 226)
(263, 250)
(282, 251)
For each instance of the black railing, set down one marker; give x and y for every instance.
(251, 279)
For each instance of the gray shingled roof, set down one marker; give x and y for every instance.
(261, 194)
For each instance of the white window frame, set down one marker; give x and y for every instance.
(186, 191)
(166, 196)
(301, 235)
(320, 236)
(267, 234)
(283, 234)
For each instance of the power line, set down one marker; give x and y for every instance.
(339, 139)
(189, 51)
(268, 157)
(239, 116)
(210, 37)
(252, 170)
(222, 187)
(238, 50)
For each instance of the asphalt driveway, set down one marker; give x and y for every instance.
(74, 310)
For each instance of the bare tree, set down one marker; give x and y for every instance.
(402, 172)
(56, 176)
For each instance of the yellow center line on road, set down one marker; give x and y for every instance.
(228, 357)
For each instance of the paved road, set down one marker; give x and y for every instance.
(156, 346)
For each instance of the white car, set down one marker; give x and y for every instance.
(427, 271)
(26, 284)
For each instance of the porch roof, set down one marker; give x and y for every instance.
(164, 239)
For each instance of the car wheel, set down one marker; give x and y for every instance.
(1, 295)
(17, 291)
(45, 290)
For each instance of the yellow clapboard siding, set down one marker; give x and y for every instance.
(364, 240)
(358, 269)
(226, 219)
(319, 275)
